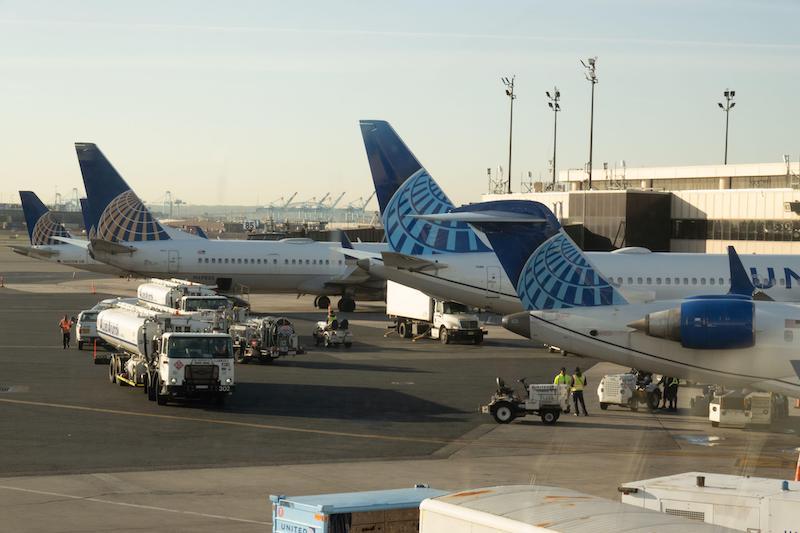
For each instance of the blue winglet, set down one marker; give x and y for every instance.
(740, 282)
(345, 240)
(118, 215)
(42, 225)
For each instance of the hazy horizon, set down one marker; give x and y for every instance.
(240, 104)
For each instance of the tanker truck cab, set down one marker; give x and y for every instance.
(193, 364)
(453, 321)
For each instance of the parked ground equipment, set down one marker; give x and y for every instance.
(417, 315)
(335, 334)
(628, 390)
(740, 410)
(547, 401)
(170, 356)
(264, 339)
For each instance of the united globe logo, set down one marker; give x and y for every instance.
(126, 218)
(46, 228)
(420, 195)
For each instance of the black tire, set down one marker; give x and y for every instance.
(161, 399)
(444, 336)
(112, 370)
(80, 345)
(348, 344)
(654, 398)
(219, 399)
(478, 338)
(323, 302)
(267, 360)
(603, 406)
(404, 330)
(240, 358)
(549, 417)
(346, 305)
(503, 413)
(714, 424)
(152, 387)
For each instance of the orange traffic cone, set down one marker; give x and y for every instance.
(2, 282)
(797, 469)
(94, 351)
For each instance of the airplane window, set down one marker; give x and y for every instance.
(712, 281)
(667, 281)
(658, 281)
(293, 261)
(638, 281)
(702, 281)
(206, 260)
(274, 261)
(213, 259)
(685, 281)
(630, 281)
(314, 262)
(340, 261)
(649, 281)
(240, 260)
(258, 261)
(694, 281)
(286, 261)
(619, 281)
(308, 261)
(722, 281)
(327, 261)
(226, 260)
(245, 261)
(199, 259)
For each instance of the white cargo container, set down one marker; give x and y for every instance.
(531, 508)
(416, 315)
(753, 504)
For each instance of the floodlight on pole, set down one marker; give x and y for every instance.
(509, 83)
(590, 67)
(729, 104)
(553, 100)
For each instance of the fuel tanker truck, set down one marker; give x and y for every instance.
(170, 356)
(182, 296)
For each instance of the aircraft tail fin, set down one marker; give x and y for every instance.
(741, 283)
(404, 189)
(196, 230)
(547, 268)
(345, 240)
(118, 214)
(42, 224)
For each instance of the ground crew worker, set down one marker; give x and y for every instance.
(562, 378)
(664, 381)
(65, 324)
(331, 316)
(672, 385)
(578, 384)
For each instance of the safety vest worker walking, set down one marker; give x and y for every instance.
(65, 324)
(578, 384)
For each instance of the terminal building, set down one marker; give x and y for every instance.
(755, 207)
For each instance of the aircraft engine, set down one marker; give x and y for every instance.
(704, 323)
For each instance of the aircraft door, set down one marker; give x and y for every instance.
(492, 282)
(173, 261)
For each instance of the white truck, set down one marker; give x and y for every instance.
(170, 356)
(181, 295)
(628, 390)
(739, 410)
(417, 315)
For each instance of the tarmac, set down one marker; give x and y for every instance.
(81, 454)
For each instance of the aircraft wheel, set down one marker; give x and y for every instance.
(322, 302)
(347, 305)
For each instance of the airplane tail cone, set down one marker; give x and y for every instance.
(639, 325)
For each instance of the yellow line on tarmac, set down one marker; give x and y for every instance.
(135, 505)
(273, 427)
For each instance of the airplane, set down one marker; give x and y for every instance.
(50, 240)
(127, 236)
(450, 261)
(729, 339)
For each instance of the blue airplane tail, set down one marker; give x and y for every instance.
(547, 268)
(118, 215)
(405, 189)
(42, 225)
(88, 224)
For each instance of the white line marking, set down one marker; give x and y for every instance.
(134, 505)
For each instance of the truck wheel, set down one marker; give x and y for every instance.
(444, 336)
(152, 390)
(404, 330)
(714, 424)
(549, 417)
(219, 399)
(80, 345)
(161, 399)
(603, 406)
(112, 370)
(478, 338)
(503, 413)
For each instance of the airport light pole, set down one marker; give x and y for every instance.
(509, 83)
(729, 94)
(553, 103)
(590, 65)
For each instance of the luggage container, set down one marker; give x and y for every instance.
(379, 511)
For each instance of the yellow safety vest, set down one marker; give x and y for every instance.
(562, 379)
(578, 382)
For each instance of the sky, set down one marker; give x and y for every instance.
(243, 103)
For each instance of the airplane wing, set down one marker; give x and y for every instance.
(358, 254)
(76, 242)
(30, 251)
(408, 262)
(103, 246)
